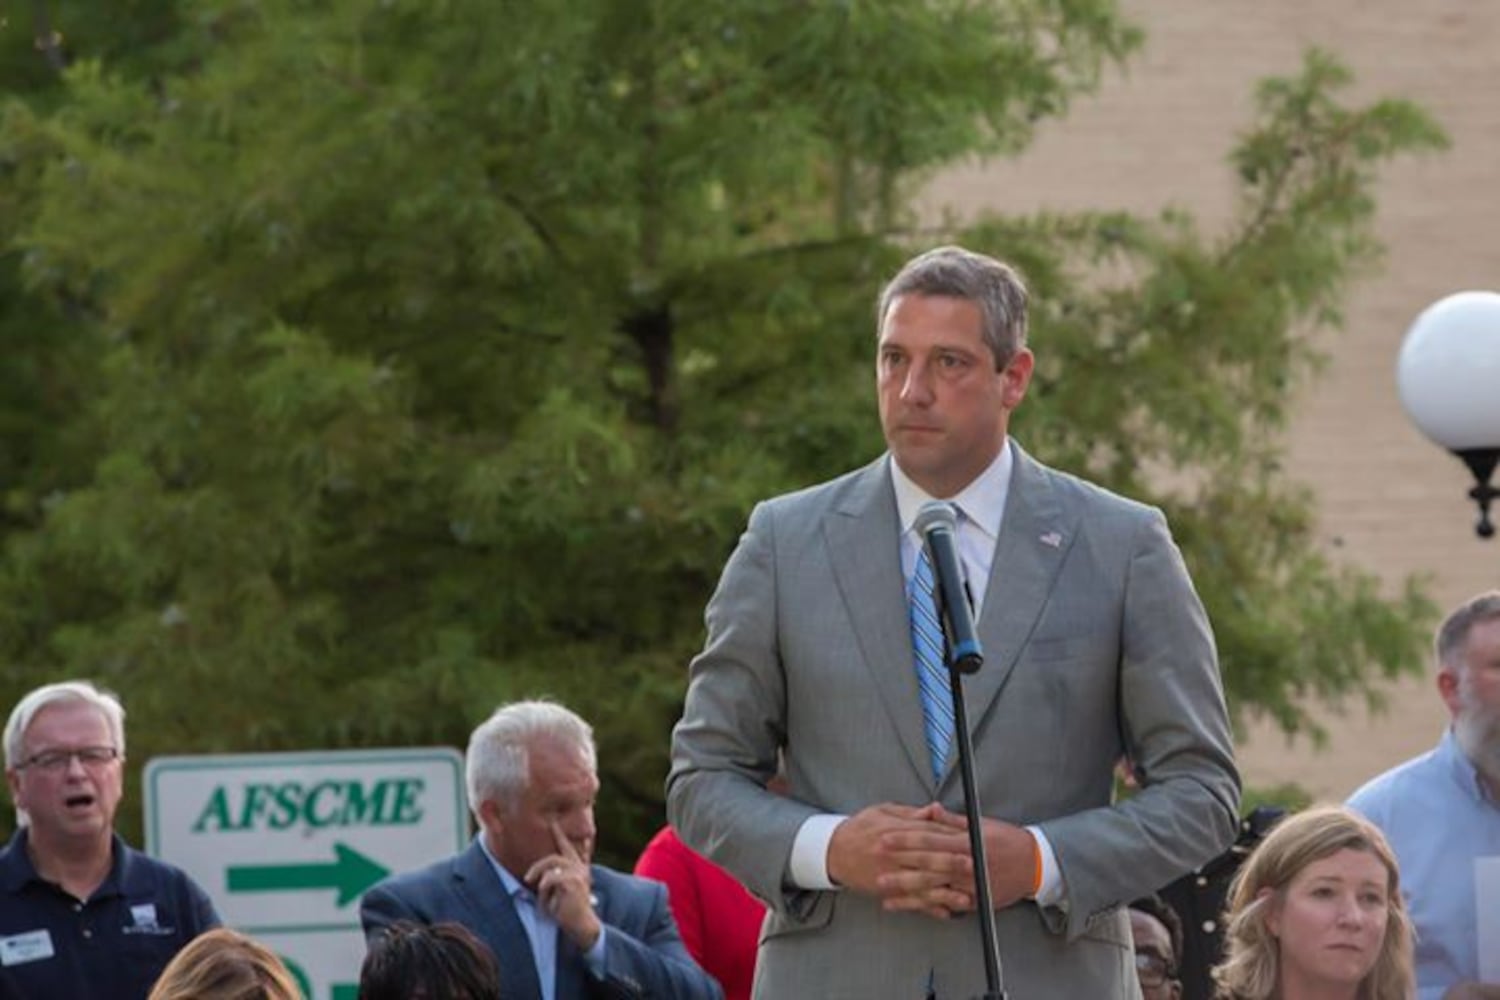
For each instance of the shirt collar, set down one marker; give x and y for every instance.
(982, 501)
(16, 868)
(514, 887)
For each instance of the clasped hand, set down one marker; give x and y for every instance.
(917, 859)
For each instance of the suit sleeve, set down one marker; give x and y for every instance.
(1176, 730)
(655, 963)
(734, 720)
(381, 907)
(662, 863)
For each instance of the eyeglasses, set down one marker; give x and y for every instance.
(58, 760)
(1152, 970)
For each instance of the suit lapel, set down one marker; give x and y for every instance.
(863, 536)
(570, 978)
(1035, 535)
(494, 919)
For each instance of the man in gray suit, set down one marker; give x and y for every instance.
(1095, 642)
(559, 926)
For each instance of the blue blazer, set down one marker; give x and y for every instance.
(644, 954)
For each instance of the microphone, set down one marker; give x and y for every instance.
(937, 523)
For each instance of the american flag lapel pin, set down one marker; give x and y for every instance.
(1053, 539)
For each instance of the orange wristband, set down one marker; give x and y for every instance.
(1036, 864)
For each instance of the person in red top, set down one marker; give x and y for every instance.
(719, 920)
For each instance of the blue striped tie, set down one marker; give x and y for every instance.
(932, 671)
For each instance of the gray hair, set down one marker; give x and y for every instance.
(64, 692)
(1453, 634)
(953, 272)
(497, 765)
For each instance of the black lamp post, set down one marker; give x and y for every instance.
(1448, 374)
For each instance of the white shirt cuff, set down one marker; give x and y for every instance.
(808, 867)
(1053, 891)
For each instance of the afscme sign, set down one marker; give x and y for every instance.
(287, 804)
(286, 843)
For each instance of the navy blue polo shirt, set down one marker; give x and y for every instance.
(111, 946)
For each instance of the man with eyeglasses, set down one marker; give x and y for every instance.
(1157, 933)
(82, 914)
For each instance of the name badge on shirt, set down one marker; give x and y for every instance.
(143, 921)
(33, 946)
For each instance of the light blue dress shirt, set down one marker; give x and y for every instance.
(542, 930)
(1435, 812)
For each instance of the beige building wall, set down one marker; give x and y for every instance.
(1389, 501)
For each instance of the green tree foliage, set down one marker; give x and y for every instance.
(424, 354)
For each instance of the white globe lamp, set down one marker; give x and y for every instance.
(1448, 375)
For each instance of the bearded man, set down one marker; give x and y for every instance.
(1441, 811)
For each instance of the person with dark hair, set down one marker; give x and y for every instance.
(442, 961)
(824, 643)
(1441, 811)
(1157, 933)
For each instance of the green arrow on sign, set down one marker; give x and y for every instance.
(351, 873)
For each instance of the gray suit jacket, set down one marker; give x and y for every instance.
(644, 954)
(1095, 644)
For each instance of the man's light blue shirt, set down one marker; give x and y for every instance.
(541, 929)
(1440, 821)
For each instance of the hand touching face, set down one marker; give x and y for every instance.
(546, 839)
(564, 888)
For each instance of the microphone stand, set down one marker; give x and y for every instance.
(967, 661)
(937, 522)
(989, 937)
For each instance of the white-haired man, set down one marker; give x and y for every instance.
(82, 915)
(561, 927)
(1441, 811)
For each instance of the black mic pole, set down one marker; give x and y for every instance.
(938, 526)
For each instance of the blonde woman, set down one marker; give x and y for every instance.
(223, 964)
(1316, 914)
